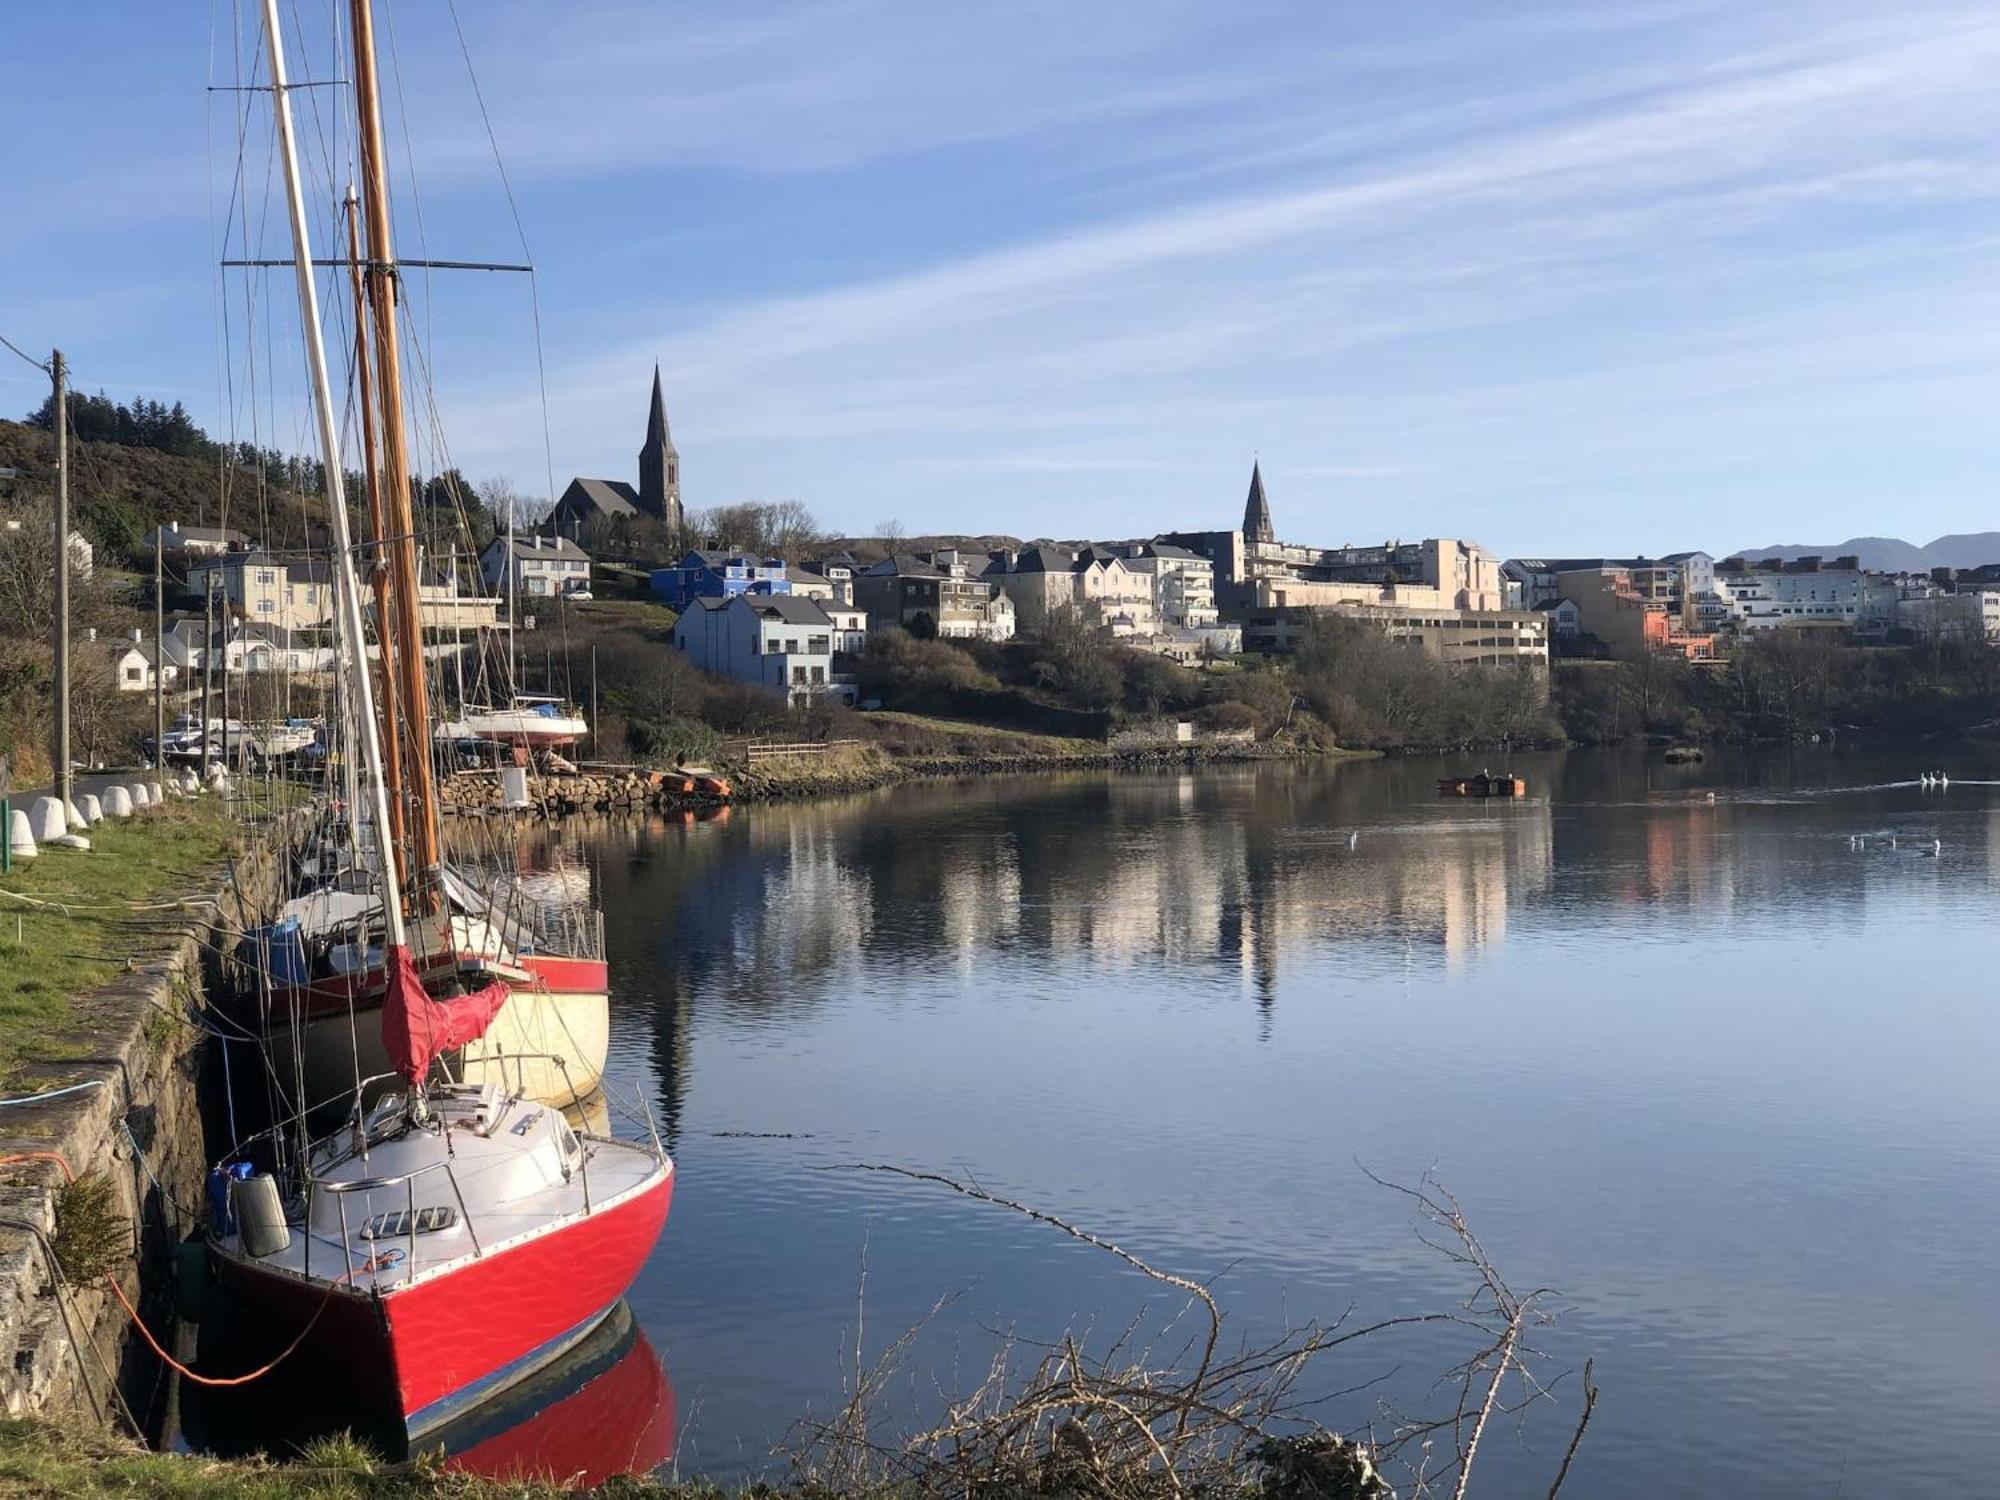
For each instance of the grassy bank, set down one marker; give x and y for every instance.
(41, 1460)
(67, 921)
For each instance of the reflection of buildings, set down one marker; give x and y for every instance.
(1227, 869)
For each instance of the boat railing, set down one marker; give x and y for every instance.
(408, 1182)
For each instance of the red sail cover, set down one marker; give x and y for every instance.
(416, 1028)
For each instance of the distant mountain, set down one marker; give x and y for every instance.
(1890, 554)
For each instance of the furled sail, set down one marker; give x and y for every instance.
(416, 1028)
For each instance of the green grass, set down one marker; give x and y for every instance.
(970, 737)
(49, 956)
(39, 1459)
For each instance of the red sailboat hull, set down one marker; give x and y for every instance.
(432, 1350)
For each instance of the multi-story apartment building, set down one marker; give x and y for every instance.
(1467, 637)
(261, 589)
(1807, 592)
(1183, 582)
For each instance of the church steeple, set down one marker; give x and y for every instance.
(1257, 510)
(660, 464)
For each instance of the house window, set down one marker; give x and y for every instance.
(798, 674)
(819, 674)
(265, 607)
(265, 575)
(133, 674)
(818, 645)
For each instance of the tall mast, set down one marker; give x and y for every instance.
(378, 576)
(405, 626)
(352, 644)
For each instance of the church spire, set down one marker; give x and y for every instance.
(1257, 510)
(656, 419)
(660, 464)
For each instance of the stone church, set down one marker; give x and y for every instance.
(658, 497)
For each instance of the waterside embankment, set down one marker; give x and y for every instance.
(831, 770)
(110, 1092)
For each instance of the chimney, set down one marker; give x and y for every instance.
(173, 528)
(90, 632)
(137, 634)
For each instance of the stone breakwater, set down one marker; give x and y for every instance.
(479, 793)
(860, 769)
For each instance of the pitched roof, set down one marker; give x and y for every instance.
(609, 497)
(1045, 560)
(905, 565)
(550, 547)
(793, 609)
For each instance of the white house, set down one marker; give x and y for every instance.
(132, 664)
(850, 625)
(545, 567)
(777, 641)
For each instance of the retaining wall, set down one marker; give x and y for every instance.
(69, 1351)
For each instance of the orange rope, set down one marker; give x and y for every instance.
(147, 1333)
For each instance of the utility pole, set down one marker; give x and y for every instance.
(65, 782)
(159, 656)
(207, 660)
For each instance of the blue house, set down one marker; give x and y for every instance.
(719, 575)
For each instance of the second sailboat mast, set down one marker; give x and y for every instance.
(404, 629)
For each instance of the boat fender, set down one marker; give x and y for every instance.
(260, 1215)
(191, 1279)
(219, 1180)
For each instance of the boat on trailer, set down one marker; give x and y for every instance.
(527, 723)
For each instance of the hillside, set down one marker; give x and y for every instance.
(1892, 554)
(119, 493)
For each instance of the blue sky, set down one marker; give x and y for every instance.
(1555, 277)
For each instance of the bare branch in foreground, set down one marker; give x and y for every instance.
(1140, 1423)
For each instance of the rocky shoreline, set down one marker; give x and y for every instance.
(860, 769)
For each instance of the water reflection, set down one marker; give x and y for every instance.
(1703, 1044)
(605, 1408)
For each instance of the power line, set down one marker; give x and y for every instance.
(39, 364)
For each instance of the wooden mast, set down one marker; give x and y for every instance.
(348, 638)
(405, 624)
(378, 574)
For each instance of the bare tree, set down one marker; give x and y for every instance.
(890, 533)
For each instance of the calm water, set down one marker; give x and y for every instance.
(1717, 1076)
